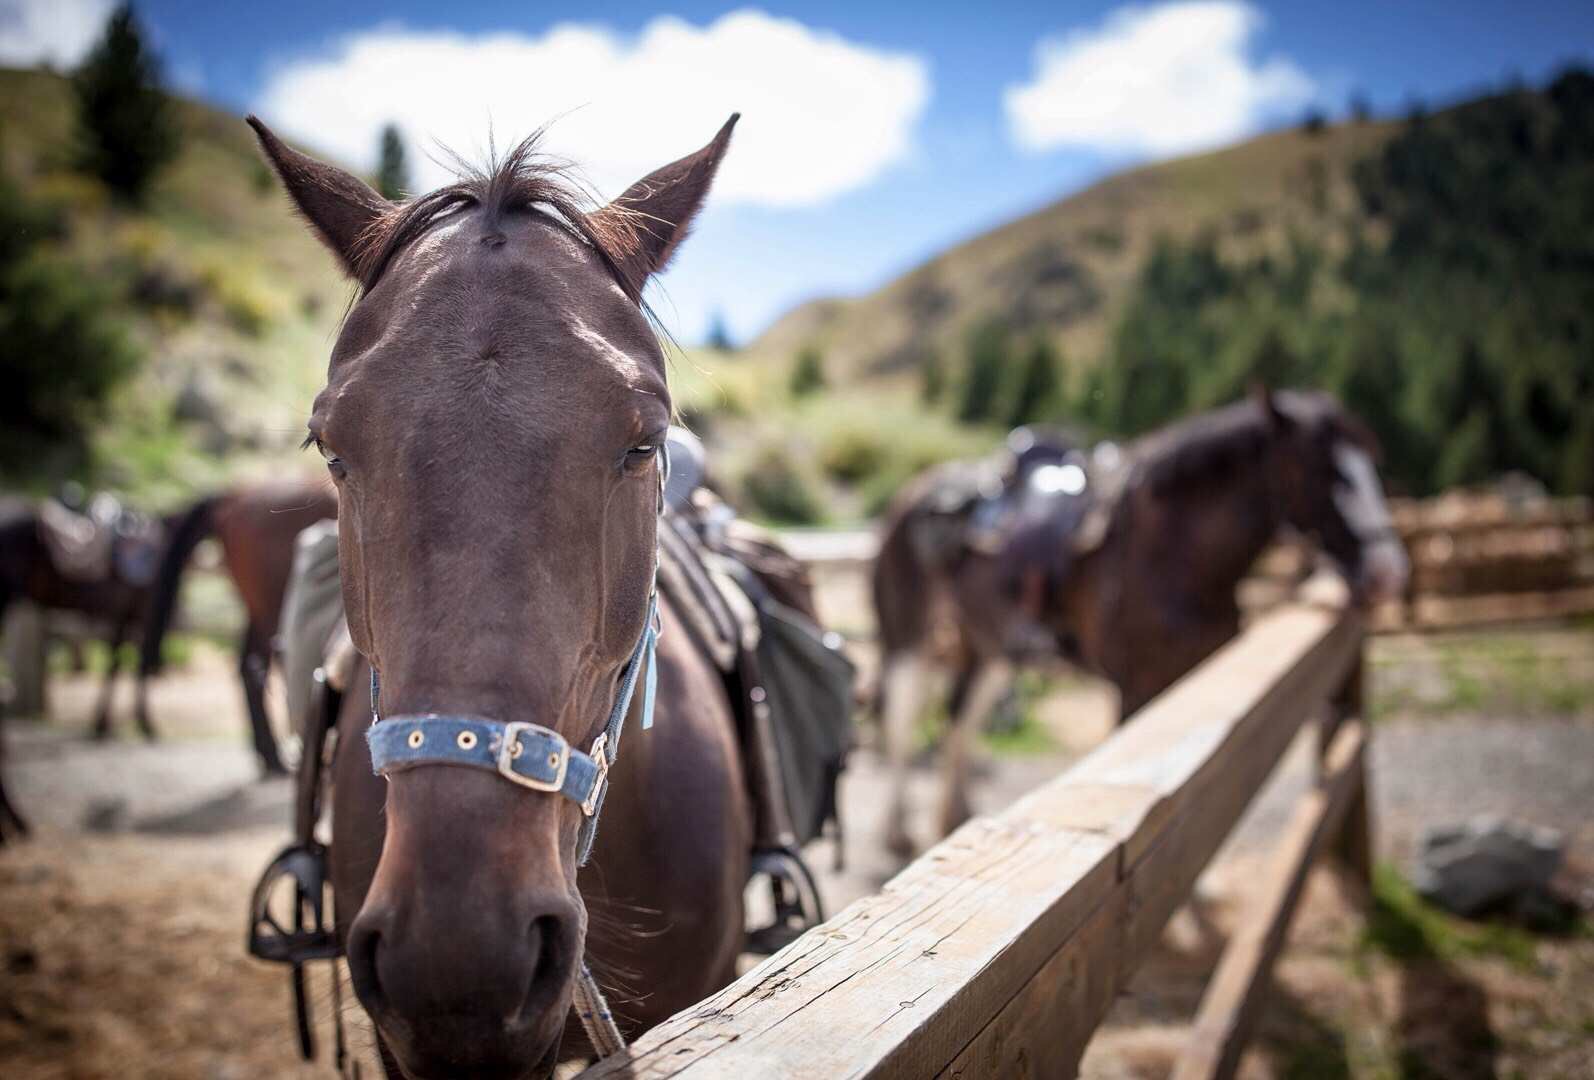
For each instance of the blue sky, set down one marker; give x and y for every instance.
(874, 134)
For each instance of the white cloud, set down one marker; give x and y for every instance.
(822, 115)
(59, 31)
(1154, 80)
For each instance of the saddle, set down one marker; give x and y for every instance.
(102, 542)
(729, 587)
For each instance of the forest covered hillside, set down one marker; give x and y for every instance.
(1437, 272)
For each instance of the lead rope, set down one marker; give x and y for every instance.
(596, 1019)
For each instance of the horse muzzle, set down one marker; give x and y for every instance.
(457, 991)
(1385, 570)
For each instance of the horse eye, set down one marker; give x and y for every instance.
(642, 452)
(334, 463)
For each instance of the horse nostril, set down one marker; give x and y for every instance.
(548, 963)
(542, 944)
(361, 950)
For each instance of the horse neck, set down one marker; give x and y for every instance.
(1219, 528)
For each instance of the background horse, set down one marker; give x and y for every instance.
(1152, 594)
(492, 417)
(29, 572)
(256, 526)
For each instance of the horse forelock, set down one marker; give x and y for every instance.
(522, 180)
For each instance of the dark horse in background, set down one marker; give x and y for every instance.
(108, 593)
(256, 525)
(492, 417)
(29, 571)
(1140, 587)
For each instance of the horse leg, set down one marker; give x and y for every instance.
(141, 704)
(102, 720)
(254, 660)
(902, 685)
(982, 685)
(10, 819)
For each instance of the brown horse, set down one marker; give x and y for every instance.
(256, 525)
(492, 417)
(1151, 593)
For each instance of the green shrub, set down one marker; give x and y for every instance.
(249, 308)
(775, 488)
(853, 455)
(65, 353)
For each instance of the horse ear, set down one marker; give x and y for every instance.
(656, 212)
(339, 205)
(1268, 405)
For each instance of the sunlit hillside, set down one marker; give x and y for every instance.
(232, 302)
(1068, 268)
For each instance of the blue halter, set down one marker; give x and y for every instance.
(527, 754)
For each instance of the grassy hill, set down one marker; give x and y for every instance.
(230, 299)
(1436, 273)
(1067, 270)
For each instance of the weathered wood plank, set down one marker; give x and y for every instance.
(1043, 1032)
(1045, 907)
(896, 983)
(1448, 612)
(1354, 843)
(1045, 1028)
(1233, 998)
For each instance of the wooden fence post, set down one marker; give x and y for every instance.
(1354, 846)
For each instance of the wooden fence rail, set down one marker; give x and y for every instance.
(998, 952)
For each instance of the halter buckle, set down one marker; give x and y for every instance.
(600, 757)
(506, 758)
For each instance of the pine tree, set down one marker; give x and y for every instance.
(1040, 385)
(392, 171)
(125, 121)
(932, 375)
(808, 373)
(719, 335)
(982, 382)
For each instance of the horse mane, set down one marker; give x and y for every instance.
(1205, 447)
(1201, 448)
(522, 180)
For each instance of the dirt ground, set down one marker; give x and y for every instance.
(122, 921)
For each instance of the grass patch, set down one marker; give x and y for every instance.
(1014, 728)
(1522, 672)
(1028, 736)
(1406, 928)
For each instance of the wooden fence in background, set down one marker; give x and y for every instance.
(1477, 559)
(1000, 950)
